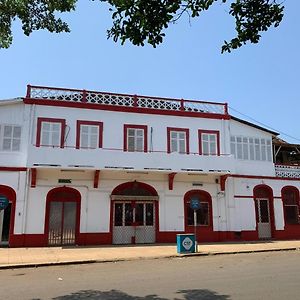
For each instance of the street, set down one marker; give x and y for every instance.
(272, 275)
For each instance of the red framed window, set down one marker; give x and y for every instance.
(50, 132)
(135, 138)
(209, 142)
(290, 200)
(178, 140)
(89, 134)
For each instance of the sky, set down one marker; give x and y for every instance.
(260, 81)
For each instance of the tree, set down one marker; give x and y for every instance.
(142, 21)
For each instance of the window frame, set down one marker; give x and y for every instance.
(50, 120)
(89, 123)
(215, 132)
(187, 139)
(11, 138)
(297, 203)
(135, 126)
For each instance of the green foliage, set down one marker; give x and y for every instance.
(34, 15)
(142, 21)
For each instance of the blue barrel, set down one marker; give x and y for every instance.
(186, 243)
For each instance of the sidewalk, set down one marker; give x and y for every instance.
(33, 257)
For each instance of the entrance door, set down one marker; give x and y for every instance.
(4, 225)
(133, 222)
(264, 223)
(62, 223)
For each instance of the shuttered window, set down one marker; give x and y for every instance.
(10, 136)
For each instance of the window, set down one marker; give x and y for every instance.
(248, 148)
(10, 137)
(135, 138)
(178, 140)
(204, 214)
(50, 132)
(209, 142)
(89, 134)
(290, 199)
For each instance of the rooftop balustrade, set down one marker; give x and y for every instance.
(46, 94)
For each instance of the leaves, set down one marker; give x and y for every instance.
(142, 21)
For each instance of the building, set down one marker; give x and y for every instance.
(89, 168)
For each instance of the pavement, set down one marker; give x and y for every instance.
(11, 258)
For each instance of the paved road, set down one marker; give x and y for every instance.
(240, 276)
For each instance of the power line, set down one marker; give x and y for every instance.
(265, 125)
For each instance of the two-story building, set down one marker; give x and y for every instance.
(89, 168)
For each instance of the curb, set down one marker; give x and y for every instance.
(93, 261)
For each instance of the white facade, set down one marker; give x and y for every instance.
(69, 193)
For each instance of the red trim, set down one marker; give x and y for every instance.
(13, 169)
(33, 177)
(10, 194)
(171, 180)
(118, 190)
(51, 120)
(127, 109)
(216, 132)
(264, 191)
(223, 179)
(56, 194)
(176, 129)
(290, 227)
(95, 123)
(263, 177)
(96, 179)
(201, 230)
(134, 126)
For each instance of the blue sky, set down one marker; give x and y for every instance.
(261, 81)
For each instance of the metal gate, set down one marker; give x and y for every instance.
(133, 222)
(62, 223)
(264, 223)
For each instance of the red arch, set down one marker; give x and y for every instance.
(10, 194)
(203, 232)
(63, 194)
(127, 185)
(265, 191)
(294, 189)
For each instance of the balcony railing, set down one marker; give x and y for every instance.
(287, 171)
(117, 159)
(121, 100)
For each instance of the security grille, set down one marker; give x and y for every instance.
(263, 225)
(62, 223)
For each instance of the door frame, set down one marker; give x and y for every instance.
(264, 191)
(11, 196)
(59, 195)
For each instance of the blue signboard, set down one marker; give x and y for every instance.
(195, 204)
(3, 202)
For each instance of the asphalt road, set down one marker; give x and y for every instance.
(242, 276)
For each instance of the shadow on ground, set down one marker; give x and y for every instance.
(116, 295)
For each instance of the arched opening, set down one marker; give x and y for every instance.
(134, 213)
(7, 215)
(264, 211)
(62, 219)
(291, 203)
(204, 214)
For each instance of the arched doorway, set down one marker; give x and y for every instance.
(7, 215)
(264, 210)
(62, 216)
(204, 225)
(134, 213)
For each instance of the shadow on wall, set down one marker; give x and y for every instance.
(116, 295)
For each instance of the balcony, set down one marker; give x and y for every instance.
(121, 102)
(116, 159)
(287, 171)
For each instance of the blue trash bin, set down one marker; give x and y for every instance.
(186, 243)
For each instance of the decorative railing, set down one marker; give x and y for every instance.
(122, 100)
(288, 171)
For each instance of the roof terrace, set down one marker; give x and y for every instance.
(122, 102)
